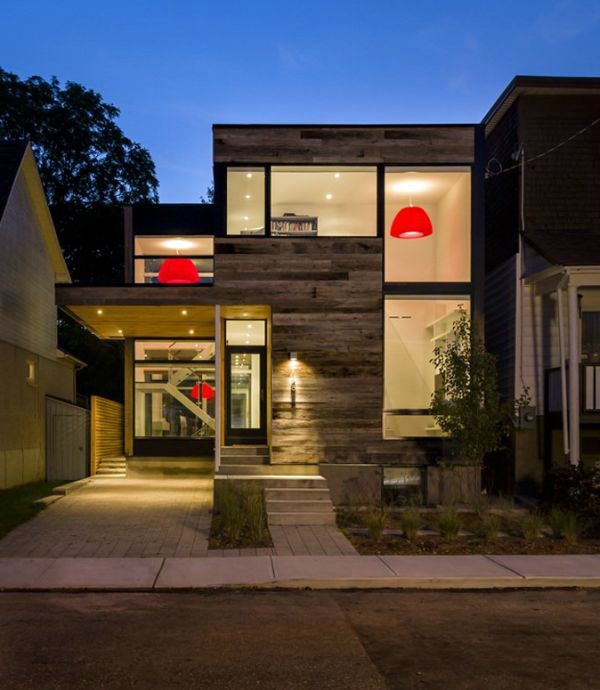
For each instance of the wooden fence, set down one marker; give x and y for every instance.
(106, 430)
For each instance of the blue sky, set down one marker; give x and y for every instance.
(174, 68)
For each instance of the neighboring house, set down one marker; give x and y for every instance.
(285, 316)
(31, 366)
(543, 269)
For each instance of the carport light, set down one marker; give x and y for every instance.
(99, 312)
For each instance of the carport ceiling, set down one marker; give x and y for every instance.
(143, 321)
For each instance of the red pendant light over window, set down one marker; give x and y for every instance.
(178, 271)
(207, 392)
(411, 223)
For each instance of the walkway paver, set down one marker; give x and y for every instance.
(108, 518)
(309, 540)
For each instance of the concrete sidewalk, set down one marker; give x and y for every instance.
(316, 572)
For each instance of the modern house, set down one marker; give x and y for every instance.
(285, 317)
(293, 321)
(37, 378)
(542, 299)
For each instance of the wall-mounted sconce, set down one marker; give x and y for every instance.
(293, 366)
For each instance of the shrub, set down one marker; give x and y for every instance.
(449, 524)
(231, 509)
(490, 527)
(411, 522)
(530, 526)
(376, 520)
(576, 490)
(564, 524)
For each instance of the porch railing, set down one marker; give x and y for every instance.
(589, 387)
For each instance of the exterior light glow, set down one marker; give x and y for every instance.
(248, 175)
(99, 312)
(336, 175)
(329, 196)
(184, 312)
(248, 196)
(191, 331)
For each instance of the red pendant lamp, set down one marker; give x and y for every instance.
(205, 391)
(178, 271)
(411, 223)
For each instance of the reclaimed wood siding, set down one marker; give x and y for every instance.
(317, 144)
(106, 430)
(326, 305)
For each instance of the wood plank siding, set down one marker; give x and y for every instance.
(106, 430)
(405, 145)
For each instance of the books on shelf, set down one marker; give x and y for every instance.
(292, 224)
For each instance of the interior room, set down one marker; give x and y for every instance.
(323, 200)
(154, 254)
(414, 327)
(245, 201)
(445, 196)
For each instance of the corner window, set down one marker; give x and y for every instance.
(413, 328)
(173, 260)
(245, 201)
(174, 389)
(323, 201)
(437, 202)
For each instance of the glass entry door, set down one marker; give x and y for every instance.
(245, 401)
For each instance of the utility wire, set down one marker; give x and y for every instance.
(489, 173)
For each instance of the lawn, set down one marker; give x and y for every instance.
(17, 504)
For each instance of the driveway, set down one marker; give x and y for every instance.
(120, 517)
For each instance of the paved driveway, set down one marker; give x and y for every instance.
(120, 517)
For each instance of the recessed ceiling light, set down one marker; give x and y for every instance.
(191, 331)
(184, 312)
(336, 175)
(411, 186)
(177, 243)
(99, 312)
(120, 331)
(329, 196)
(249, 325)
(248, 196)
(246, 218)
(248, 175)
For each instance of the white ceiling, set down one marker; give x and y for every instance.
(166, 245)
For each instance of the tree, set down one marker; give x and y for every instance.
(89, 169)
(468, 406)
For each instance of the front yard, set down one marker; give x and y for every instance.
(18, 505)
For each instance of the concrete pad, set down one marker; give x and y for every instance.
(331, 571)
(100, 573)
(427, 569)
(178, 573)
(552, 567)
(22, 573)
(65, 489)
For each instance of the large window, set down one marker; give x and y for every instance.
(172, 260)
(245, 201)
(445, 254)
(323, 200)
(174, 389)
(414, 326)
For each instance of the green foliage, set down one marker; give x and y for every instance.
(242, 517)
(449, 523)
(575, 490)
(530, 526)
(564, 525)
(410, 523)
(467, 406)
(490, 527)
(376, 520)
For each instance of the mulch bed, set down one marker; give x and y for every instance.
(218, 540)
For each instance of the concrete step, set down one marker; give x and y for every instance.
(294, 494)
(103, 463)
(302, 506)
(301, 518)
(244, 450)
(269, 469)
(277, 481)
(116, 458)
(228, 460)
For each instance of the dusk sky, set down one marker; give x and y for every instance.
(174, 68)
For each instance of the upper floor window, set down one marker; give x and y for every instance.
(437, 202)
(245, 201)
(173, 260)
(323, 201)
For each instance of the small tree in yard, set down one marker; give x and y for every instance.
(467, 406)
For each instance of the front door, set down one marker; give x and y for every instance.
(245, 394)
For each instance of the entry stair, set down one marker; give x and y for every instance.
(295, 494)
(112, 467)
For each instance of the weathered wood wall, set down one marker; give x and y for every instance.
(106, 430)
(406, 145)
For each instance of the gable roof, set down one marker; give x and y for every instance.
(11, 155)
(16, 158)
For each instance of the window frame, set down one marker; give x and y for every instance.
(136, 257)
